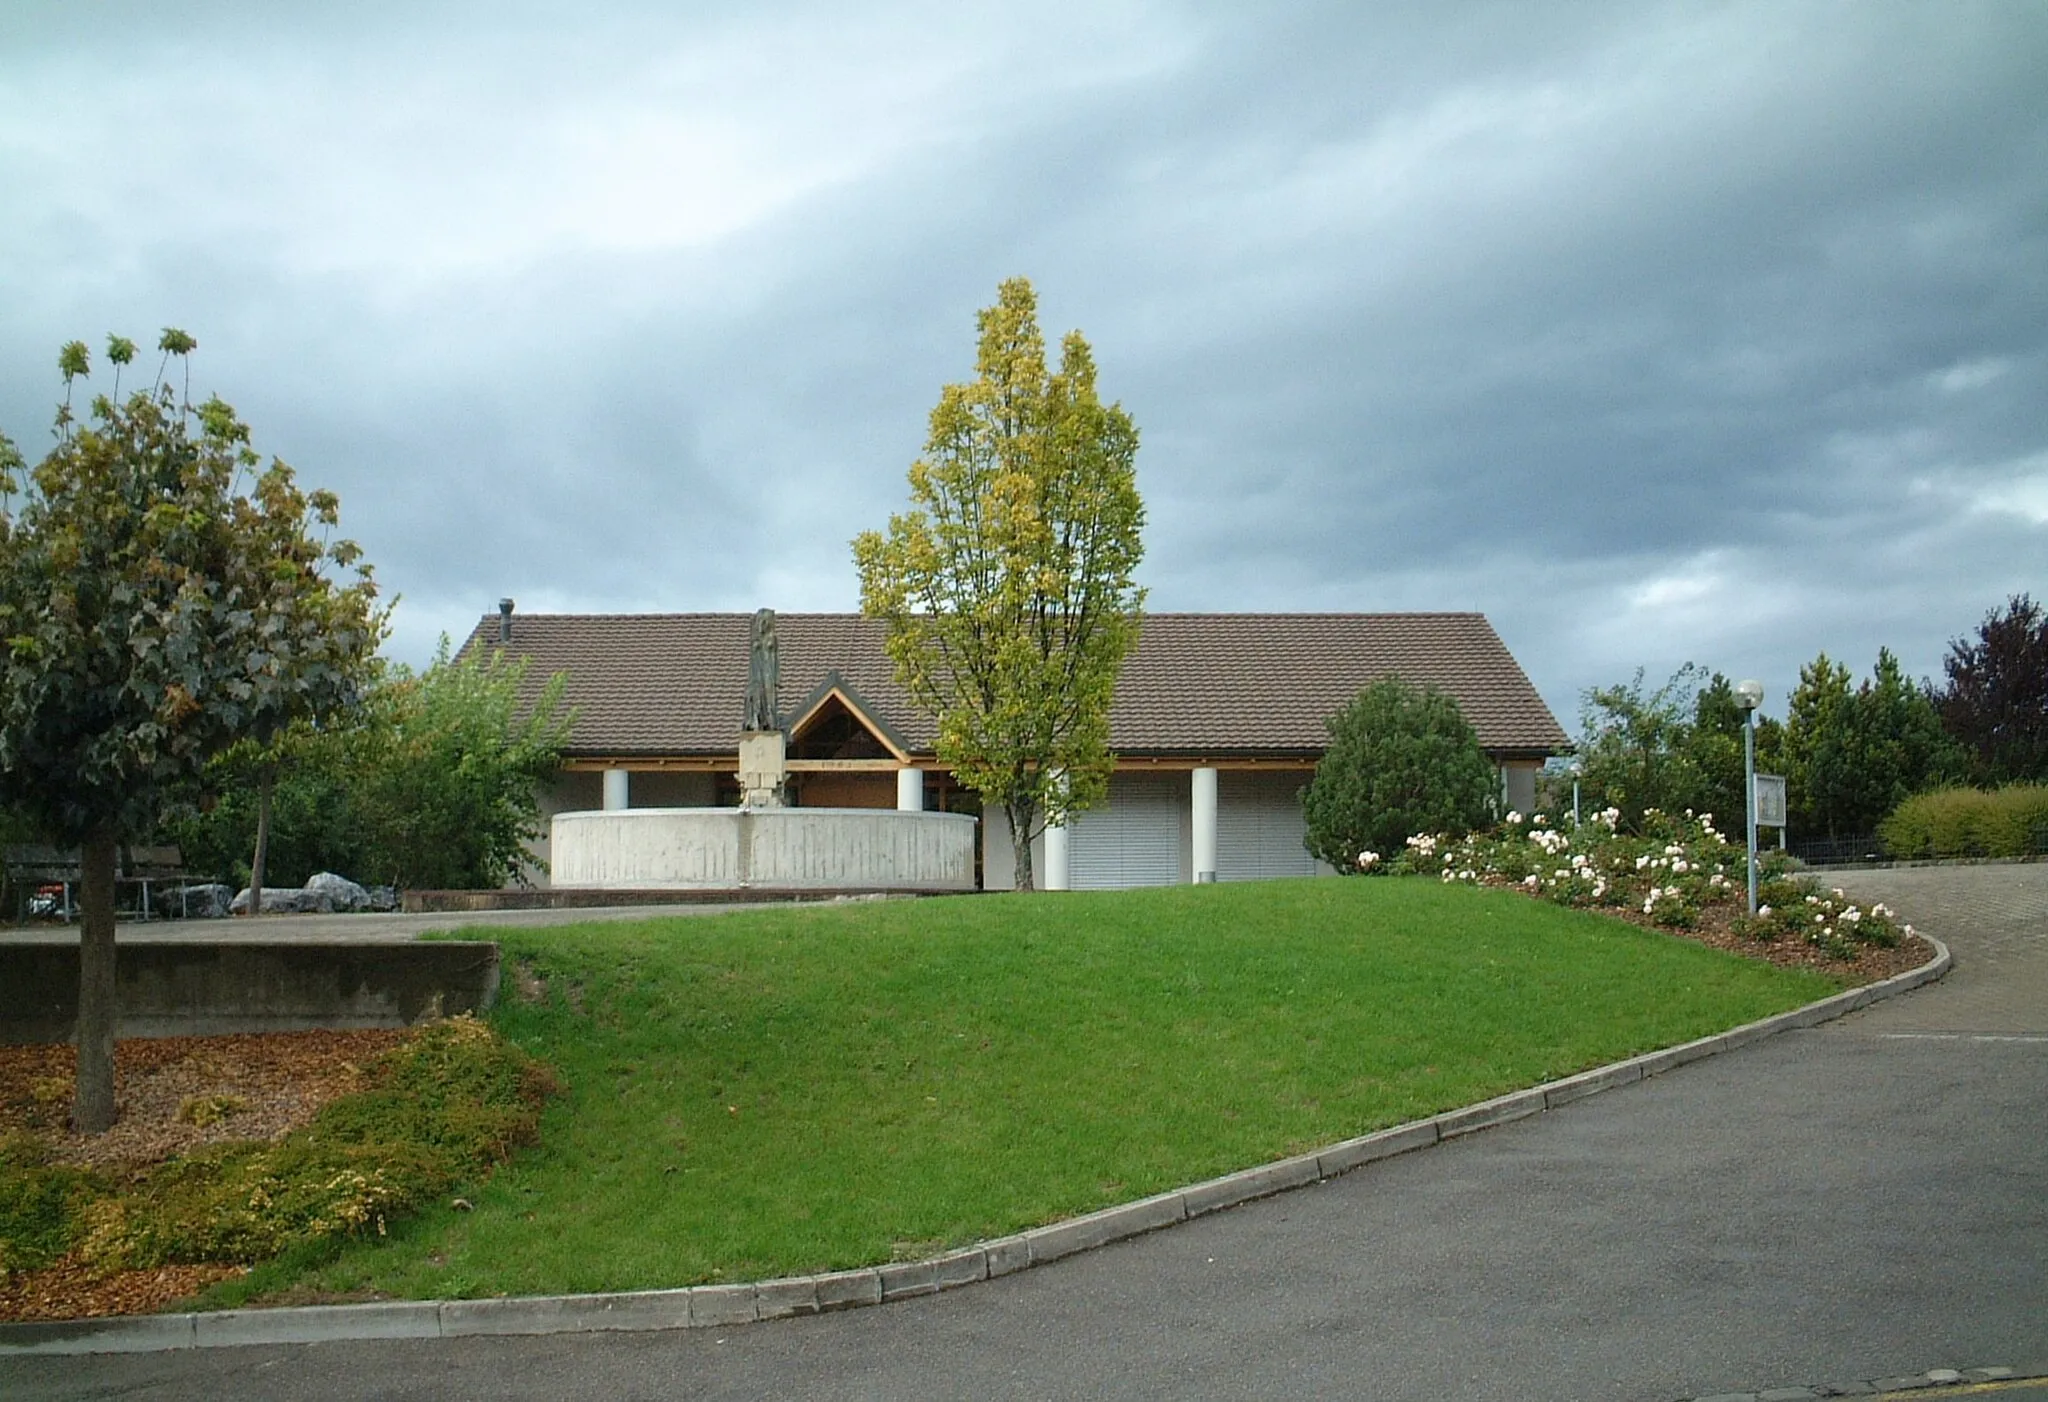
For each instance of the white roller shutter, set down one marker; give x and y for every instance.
(1259, 827)
(1135, 839)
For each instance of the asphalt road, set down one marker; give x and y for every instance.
(1864, 1200)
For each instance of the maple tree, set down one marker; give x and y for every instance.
(163, 596)
(1007, 585)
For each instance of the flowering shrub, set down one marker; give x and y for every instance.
(1671, 872)
(1828, 918)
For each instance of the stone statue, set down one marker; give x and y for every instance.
(764, 675)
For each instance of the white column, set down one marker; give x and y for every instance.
(1205, 826)
(1056, 872)
(910, 790)
(1058, 868)
(618, 789)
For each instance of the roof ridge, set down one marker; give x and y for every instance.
(1321, 613)
(854, 614)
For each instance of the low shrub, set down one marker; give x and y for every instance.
(246, 1202)
(42, 1204)
(1796, 909)
(442, 1107)
(2007, 822)
(205, 1110)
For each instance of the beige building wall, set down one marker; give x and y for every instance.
(1518, 785)
(656, 789)
(570, 791)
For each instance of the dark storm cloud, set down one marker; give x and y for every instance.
(1656, 332)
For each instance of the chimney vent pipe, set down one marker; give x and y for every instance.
(504, 620)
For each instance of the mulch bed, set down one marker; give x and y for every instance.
(69, 1290)
(283, 1078)
(280, 1079)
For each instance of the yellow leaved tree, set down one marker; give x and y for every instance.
(1007, 585)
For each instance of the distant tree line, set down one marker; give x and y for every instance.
(1850, 754)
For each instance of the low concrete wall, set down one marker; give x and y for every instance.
(619, 897)
(789, 849)
(189, 990)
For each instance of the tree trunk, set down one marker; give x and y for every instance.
(266, 779)
(1020, 840)
(92, 1106)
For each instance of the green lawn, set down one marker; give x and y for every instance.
(796, 1089)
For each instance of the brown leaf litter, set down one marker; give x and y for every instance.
(173, 1095)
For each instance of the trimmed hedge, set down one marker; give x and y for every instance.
(2008, 822)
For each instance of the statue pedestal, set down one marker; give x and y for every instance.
(764, 770)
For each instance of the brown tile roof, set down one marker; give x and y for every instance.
(1215, 684)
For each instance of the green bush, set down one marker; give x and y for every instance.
(2007, 822)
(315, 822)
(1401, 761)
(433, 782)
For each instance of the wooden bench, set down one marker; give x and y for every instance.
(140, 866)
(30, 866)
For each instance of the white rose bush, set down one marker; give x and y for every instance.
(1672, 874)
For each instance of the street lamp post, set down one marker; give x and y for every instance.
(1750, 695)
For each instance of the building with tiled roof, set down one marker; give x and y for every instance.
(1218, 722)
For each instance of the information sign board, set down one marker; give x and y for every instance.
(1770, 800)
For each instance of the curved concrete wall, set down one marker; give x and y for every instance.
(797, 849)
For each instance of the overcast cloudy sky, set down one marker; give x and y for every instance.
(1656, 332)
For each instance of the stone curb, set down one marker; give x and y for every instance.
(1915, 863)
(718, 1306)
(1945, 1378)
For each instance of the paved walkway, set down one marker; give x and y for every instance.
(1995, 918)
(365, 928)
(1862, 1201)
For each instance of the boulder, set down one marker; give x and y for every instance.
(205, 901)
(325, 892)
(277, 900)
(383, 898)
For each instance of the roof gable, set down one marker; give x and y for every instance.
(835, 700)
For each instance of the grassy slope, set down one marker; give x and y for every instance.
(789, 1090)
